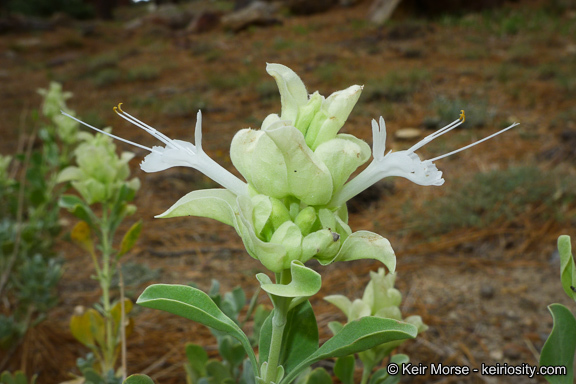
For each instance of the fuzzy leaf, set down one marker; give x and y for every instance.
(344, 369)
(130, 238)
(357, 336)
(567, 267)
(138, 379)
(82, 236)
(195, 305)
(561, 344)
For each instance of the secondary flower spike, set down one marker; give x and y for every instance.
(405, 163)
(178, 153)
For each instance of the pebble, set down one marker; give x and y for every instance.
(487, 292)
(408, 133)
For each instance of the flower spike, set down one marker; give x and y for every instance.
(405, 163)
(177, 153)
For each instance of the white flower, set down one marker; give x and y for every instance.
(405, 164)
(178, 153)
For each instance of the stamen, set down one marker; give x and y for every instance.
(473, 144)
(109, 134)
(436, 134)
(462, 115)
(159, 135)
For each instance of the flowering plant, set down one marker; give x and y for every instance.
(292, 208)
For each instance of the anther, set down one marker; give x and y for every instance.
(462, 115)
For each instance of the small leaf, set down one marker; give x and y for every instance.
(6, 378)
(231, 350)
(197, 358)
(567, 267)
(248, 376)
(357, 336)
(82, 236)
(561, 344)
(218, 372)
(195, 305)
(381, 376)
(77, 207)
(319, 376)
(80, 329)
(344, 369)
(130, 239)
(305, 282)
(138, 379)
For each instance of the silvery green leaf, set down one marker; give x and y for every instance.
(567, 266)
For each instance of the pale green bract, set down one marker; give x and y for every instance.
(293, 204)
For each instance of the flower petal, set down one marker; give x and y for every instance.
(162, 158)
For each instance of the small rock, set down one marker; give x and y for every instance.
(487, 292)
(134, 24)
(62, 59)
(496, 355)
(408, 133)
(204, 22)
(257, 13)
(381, 10)
(512, 351)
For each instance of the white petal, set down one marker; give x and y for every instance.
(163, 158)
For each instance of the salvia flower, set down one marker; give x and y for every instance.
(405, 163)
(292, 206)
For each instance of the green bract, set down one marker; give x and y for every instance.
(100, 172)
(277, 233)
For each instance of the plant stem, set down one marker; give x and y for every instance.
(365, 374)
(105, 280)
(281, 307)
(278, 324)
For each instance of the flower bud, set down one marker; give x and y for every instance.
(289, 236)
(305, 220)
(332, 116)
(308, 111)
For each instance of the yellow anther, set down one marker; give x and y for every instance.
(120, 107)
(462, 115)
